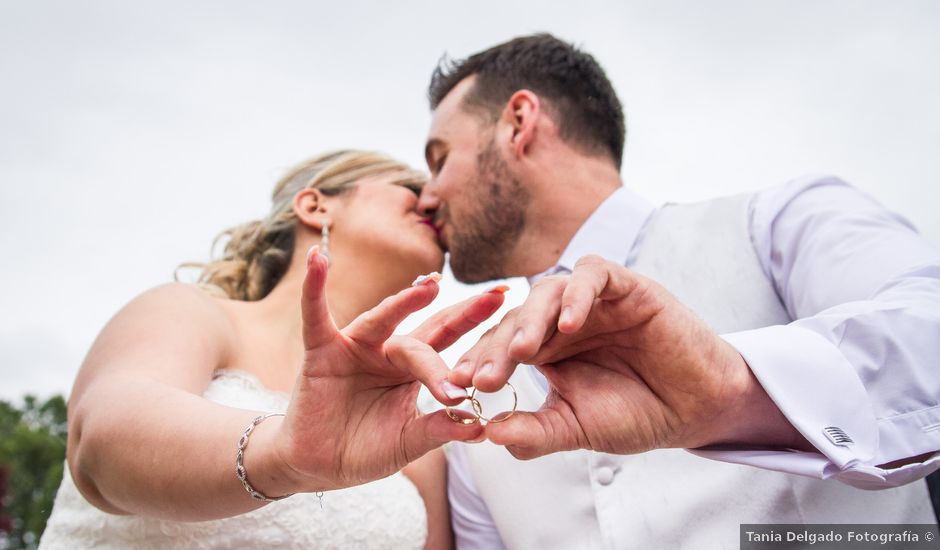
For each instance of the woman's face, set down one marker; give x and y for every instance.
(378, 219)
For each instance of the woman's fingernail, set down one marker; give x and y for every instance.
(425, 279)
(501, 289)
(311, 252)
(487, 369)
(453, 391)
(518, 338)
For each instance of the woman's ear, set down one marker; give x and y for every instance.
(312, 209)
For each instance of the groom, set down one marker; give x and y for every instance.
(828, 307)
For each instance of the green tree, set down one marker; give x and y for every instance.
(32, 455)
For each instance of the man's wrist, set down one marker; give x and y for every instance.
(749, 417)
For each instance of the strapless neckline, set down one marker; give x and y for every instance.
(388, 513)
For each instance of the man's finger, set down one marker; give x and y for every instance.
(448, 325)
(430, 431)
(319, 328)
(422, 363)
(463, 371)
(517, 336)
(588, 281)
(596, 279)
(492, 366)
(379, 323)
(528, 435)
(535, 320)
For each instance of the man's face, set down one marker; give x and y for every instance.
(479, 206)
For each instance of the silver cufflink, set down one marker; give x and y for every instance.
(837, 436)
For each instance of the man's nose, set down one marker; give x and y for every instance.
(428, 203)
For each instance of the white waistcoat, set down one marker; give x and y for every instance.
(670, 498)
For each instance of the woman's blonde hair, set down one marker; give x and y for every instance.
(258, 253)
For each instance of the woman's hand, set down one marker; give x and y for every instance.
(353, 416)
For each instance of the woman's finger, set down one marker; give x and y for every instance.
(319, 328)
(422, 363)
(448, 325)
(430, 431)
(379, 323)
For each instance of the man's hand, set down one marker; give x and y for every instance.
(630, 368)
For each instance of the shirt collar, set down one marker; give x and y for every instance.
(611, 231)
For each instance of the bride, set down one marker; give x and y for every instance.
(172, 440)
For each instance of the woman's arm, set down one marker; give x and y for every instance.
(142, 440)
(429, 475)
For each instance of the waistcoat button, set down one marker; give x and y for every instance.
(605, 475)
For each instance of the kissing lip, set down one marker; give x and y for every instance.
(430, 223)
(437, 231)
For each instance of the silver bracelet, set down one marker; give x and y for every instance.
(240, 460)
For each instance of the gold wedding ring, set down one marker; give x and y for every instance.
(478, 409)
(461, 420)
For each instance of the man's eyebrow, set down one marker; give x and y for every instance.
(432, 143)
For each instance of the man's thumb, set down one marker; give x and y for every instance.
(528, 435)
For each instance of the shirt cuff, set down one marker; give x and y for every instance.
(815, 465)
(815, 388)
(821, 395)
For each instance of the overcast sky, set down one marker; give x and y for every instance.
(131, 134)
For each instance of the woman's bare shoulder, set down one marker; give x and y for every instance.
(180, 303)
(171, 332)
(181, 295)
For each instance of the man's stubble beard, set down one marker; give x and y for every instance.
(481, 245)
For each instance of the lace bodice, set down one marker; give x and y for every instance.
(387, 513)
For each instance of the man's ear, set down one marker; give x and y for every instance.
(522, 114)
(312, 209)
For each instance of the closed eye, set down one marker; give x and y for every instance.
(439, 165)
(414, 188)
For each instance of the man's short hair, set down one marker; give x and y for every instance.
(577, 91)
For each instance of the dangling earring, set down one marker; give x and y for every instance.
(325, 241)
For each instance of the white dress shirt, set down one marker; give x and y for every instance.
(864, 290)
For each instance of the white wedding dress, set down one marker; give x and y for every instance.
(388, 513)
